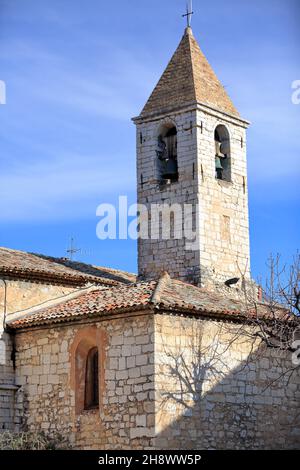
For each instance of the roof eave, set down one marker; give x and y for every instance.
(13, 326)
(150, 307)
(191, 106)
(50, 278)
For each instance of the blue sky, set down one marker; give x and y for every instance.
(76, 72)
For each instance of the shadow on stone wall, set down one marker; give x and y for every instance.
(253, 406)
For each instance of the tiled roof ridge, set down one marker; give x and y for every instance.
(55, 302)
(189, 34)
(36, 317)
(32, 266)
(70, 262)
(188, 79)
(106, 270)
(160, 287)
(162, 296)
(41, 275)
(227, 104)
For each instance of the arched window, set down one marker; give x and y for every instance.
(222, 154)
(91, 391)
(88, 358)
(167, 154)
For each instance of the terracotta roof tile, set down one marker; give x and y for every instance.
(188, 78)
(92, 303)
(164, 295)
(22, 265)
(97, 271)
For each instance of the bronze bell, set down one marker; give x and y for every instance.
(170, 170)
(218, 163)
(219, 168)
(219, 150)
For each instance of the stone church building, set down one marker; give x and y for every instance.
(164, 360)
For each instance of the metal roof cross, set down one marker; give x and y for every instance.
(189, 13)
(72, 250)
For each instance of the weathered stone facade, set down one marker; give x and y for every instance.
(220, 248)
(167, 382)
(47, 375)
(216, 388)
(224, 252)
(156, 255)
(214, 254)
(17, 296)
(173, 365)
(10, 402)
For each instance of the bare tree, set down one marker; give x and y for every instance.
(271, 320)
(275, 311)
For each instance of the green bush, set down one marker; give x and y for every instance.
(31, 441)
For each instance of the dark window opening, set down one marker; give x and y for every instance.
(91, 398)
(167, 155)
(222, 154)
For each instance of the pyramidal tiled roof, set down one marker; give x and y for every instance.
(188, 78)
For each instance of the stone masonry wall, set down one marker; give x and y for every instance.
(217, 389)
(220, 208)
(156, 256)
(17, 296)
(22, 295)
(223, 206)
(10, 399)
(167, 382)
(45, 371)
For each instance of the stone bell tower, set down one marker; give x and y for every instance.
(191, 151)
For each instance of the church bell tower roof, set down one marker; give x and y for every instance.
(188, 78)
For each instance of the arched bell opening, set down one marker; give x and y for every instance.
(222, 154)
(167, 154)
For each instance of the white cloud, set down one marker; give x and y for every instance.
(62, 188)
(105, 80)
(114, 85)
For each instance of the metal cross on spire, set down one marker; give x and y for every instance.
(189, 13)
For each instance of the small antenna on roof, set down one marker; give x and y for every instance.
(189, 13)
(72, 250)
